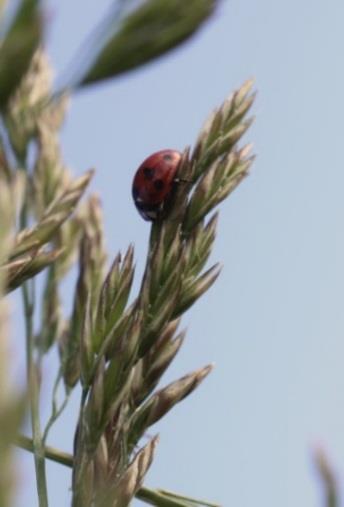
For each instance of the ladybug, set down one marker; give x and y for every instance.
(154, 181)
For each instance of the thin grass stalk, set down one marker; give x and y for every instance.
(28, 295)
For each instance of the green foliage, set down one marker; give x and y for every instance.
(113, 345)
(154, 28)
(53, 218)
(18, 47)
(129, 348)
(328, 478)
(11, 401)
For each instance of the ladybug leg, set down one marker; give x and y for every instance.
(181, 180)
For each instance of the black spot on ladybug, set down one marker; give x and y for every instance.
(168, 157)
(148, 173)
(135, 192)
(159, 184)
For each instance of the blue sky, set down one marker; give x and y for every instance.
(274, 321)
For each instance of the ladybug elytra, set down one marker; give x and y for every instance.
(153, 182)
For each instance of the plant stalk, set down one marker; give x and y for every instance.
(33, 381)
(145, 494)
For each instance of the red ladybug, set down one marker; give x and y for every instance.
(153, 182)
